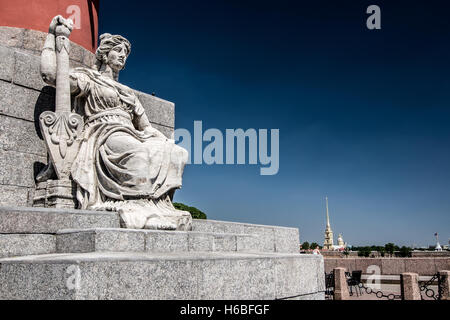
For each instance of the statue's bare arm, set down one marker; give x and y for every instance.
(142, 123)
(48, 56)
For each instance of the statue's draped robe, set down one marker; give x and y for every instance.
(115, 160)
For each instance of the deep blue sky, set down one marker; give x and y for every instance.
(363, 115)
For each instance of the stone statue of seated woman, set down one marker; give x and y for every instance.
(121, 162)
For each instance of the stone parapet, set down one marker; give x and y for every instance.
(445, 283)
(391, 266)
(410, 286)
(340, 284)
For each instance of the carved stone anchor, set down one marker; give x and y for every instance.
(61, 129)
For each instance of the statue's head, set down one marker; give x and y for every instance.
(113, 50)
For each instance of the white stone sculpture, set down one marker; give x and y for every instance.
(118, 161)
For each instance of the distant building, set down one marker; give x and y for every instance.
(438, 245)
(341, 244)
(328, 243)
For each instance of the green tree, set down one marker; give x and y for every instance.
(314, 245)
(364, 252)
(390, 248)
(305, 245)
(405, 252)
(195, 213)
(346, 252)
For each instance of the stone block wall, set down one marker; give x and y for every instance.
(24, 96)
(390, 266)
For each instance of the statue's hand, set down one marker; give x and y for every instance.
(153, 132)
(52, 27)
(60, 26)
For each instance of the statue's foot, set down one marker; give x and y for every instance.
(159, 223)
(47, 173)
(150, 214)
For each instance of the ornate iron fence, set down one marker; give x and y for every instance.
(428, 291)
(329, 285)
(380, 294)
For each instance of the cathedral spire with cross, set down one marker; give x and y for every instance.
(328, 243)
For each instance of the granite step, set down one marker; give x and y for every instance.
(272, 238)
(16, 245)
(14, 220)
(189, 275)
(19, 224)
(157, 241)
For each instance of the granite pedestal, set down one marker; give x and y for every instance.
(74, 254)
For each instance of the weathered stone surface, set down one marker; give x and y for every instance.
(119, 240)
(149, 280)
(77, 52)
(445, 274)
(284, 239)
(158, 111)
(6, 63)
(330, 264)
(75, 242)
(25, 103)
(25, 281)
(166, 241)
(348, 264)
(89, 59)
(11, 195)
(392, 266)
(138, 240)
(224, 242)
(20, 135)
(249, 243)
(410, 286)
(430, 254)
(422, 266)
(200, 241)
(23, 175)
(11, 37)
(225, 279)
(340, 285)
(363, 264)
(159, 276)
(26, 244)
(44, 220)
(269, 238)
(203, 225)
(320, 270)
(442, 263)
(26, 71)
(266, 237)
(297, 276)
(33, 40)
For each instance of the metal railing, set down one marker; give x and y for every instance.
(425, 287)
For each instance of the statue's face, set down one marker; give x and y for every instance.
(117, 57)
